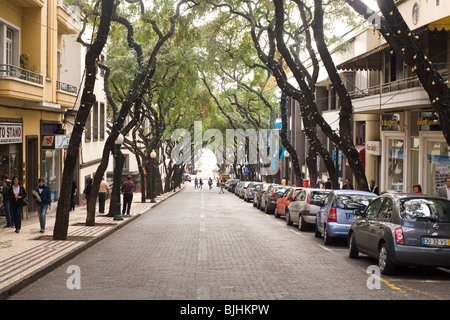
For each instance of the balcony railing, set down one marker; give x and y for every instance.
(392, 86)
(10, 71)
(61, 86)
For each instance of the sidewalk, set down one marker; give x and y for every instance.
(28, 255)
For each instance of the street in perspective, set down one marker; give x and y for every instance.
(225, 158)
(201, 244)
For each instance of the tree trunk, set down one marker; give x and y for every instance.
(87, 100)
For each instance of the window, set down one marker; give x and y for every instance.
(87, 136)
(386, 209)
(95, 122)
(102, 121)
(372, 210)
(9, 46)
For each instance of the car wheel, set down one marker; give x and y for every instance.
(352, 250)
(385, 263)
(317, 233)
(277, 215)
(288, 217)
(302, 224)
(327, 240)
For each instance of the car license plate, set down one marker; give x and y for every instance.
(436, 242)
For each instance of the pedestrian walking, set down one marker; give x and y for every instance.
(201, 183)
(127, 190)
(196, 182)
(87, 190)
(210, 183)
(444, 191)
(74, 194)
(18, 198)
(103, 192)
(6, 185)
(347, 185)
(43, 197)
(222, 185)
(373, 188)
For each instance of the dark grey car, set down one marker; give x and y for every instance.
(403, 229)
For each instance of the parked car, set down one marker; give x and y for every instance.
(243, 188)
(403, 229)
(270, 197)
(262, 188)
(187, 177)
(233, 184)
(285, 200)
(339, 211)
(304, 208)
(238, 187)
(251, 190)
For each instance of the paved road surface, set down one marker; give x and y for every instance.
(202, 245)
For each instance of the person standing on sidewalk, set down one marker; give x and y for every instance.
(87, 190)
(17, 196)
(127, 190)
(43, 199)
(102, 194)
(6, 185)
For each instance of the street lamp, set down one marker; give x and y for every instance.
(153, 156)
(286, 155)
(117, 145)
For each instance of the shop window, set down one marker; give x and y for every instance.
(438, 160)
(360, 133)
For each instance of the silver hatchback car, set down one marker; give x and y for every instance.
(403, 229)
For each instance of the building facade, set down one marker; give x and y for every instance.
(395, 128)
(33, 99)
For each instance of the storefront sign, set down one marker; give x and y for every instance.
(428, 121)
(373, 147)
(390, 122)
(10, 133)
(55, 141)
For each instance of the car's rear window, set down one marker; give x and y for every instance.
(436, 210)
(352, 201)
(318, 195)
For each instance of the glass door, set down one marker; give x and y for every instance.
(395, 164)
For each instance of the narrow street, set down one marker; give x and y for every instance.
(202, 245)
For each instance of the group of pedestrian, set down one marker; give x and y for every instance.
(127, 189)
(198, 183)
(15, 197)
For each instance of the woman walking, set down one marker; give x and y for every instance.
(43, 198)
(18, 198)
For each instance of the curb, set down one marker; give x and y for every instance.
(35, 275)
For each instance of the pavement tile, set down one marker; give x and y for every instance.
(28, 255)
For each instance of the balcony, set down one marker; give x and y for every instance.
(404, 93)
(68, 18)
(20, 84)
(66, 94)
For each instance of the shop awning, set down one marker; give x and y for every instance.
(440, 24)
(370, 60)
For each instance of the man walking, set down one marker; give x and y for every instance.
(127, 190)
(103, 191)
(5, 185)
(444, 191)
